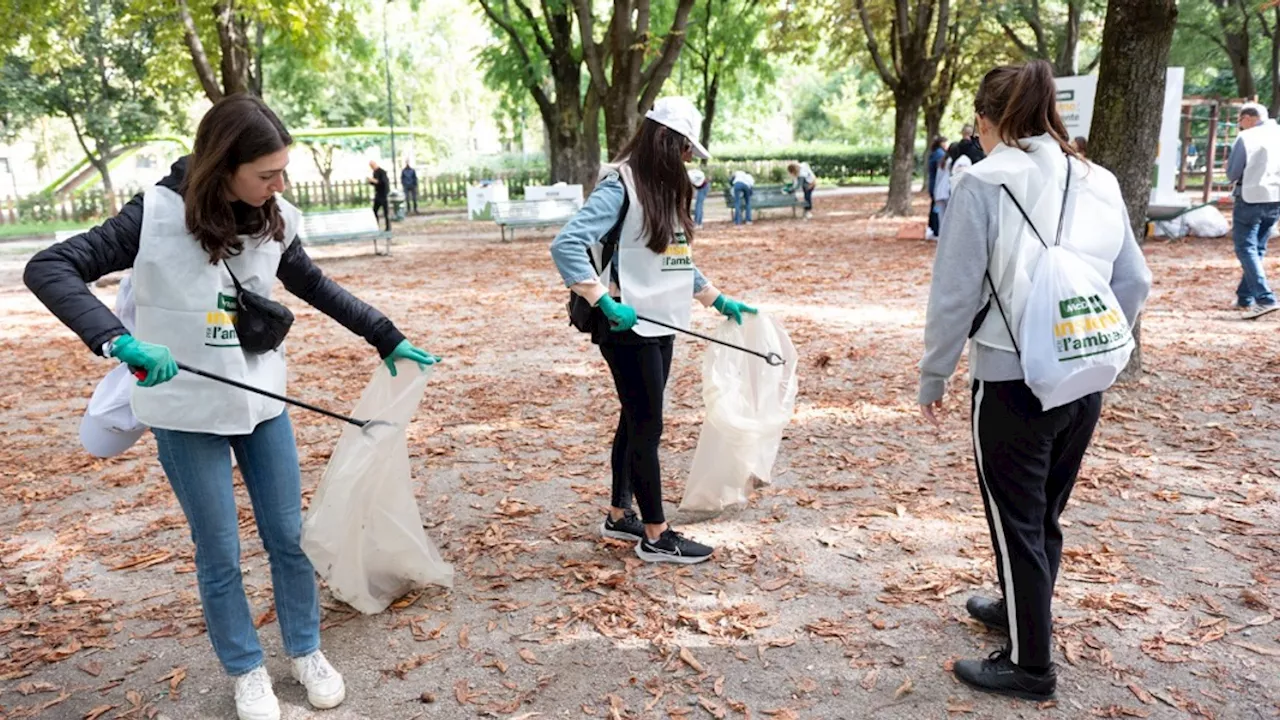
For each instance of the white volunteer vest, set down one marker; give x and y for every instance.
(1261, 181)
(658, 286)
(188, 305)
(1093, 228)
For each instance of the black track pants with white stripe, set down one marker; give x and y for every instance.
(1027, 464)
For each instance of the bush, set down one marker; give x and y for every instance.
(833, 163)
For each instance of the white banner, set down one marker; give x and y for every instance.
(1076, 97)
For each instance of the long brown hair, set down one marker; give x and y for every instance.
(656, 156)
(1021, 101)
(236, 130)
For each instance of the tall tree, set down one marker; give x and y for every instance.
(235, 30)
(1125, 133)
(723, 51)
(87, 61)
(628, 70)
(541, 57)
(1272, 31)
(1059, 42)
(1228, 25)
(330, 90)
(917, 45)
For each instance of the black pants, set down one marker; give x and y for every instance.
(934, 220)
(1027, 463)
(411, 199)
(381, 202)
(640, 367)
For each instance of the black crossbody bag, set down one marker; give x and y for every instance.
(583, 316)
(261, 323)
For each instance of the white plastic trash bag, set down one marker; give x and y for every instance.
(1207, 222)
(363, 532)
(1075, 338)
(748, 404)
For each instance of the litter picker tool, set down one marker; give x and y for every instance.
(362, 424)
(771, 358)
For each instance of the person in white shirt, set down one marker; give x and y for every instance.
(742, 183)
(701, 186)
(1254, 167)
(805, 181)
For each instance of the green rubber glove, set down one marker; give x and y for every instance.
(622, 317)
(156, 360)
(731, 308)
(788, 188)
(406, 351)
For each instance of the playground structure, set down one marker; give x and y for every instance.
(1207, 133)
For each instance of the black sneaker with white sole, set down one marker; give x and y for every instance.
(997, 674)
(673, 547)
(992, 613)
(628, 527)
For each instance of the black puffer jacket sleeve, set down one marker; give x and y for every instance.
(303, 278)
(58, 275)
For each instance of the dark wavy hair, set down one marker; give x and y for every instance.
(236, 130)
(1021, 101)
(656, 156)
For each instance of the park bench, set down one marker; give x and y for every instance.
(512, 214)
(767, 196)
(323, 228)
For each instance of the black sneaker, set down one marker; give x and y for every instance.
(627, 528)
(673, 547)
(992, 613)
(997, 674)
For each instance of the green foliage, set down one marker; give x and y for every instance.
(87, 61)
(833, 163)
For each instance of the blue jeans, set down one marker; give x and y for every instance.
(1251, 225)
(199, 469)
(698, 200)
(807, 188)
(741, 199)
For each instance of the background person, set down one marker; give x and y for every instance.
(651, 274)
(969, 146)
(743, 184)
(937, 158)
(802, 175)
(409, 183)
(701, 186)
(218, 212)
(1254, 167)
(381, 191)
(1027, 458)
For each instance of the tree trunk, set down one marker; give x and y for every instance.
(235, 51)
(1275, 64)
(709, 110)
(1068, 61)
(906, 118)
(1125, 133)
(204, 69)
(1238, 51)
(103, 166)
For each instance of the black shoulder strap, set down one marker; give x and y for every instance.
(234, 279)
(614, 235)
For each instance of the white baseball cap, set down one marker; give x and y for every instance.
(680, 115)
(109, 426)
(1256, 108)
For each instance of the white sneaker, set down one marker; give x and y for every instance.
(255, 700)
(324, 685)
(808, 215)
(1258, 311)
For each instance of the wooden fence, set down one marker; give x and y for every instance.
(450, 189)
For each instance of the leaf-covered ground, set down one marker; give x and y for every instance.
(838, 593)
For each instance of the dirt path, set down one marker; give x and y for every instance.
(837, 594)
